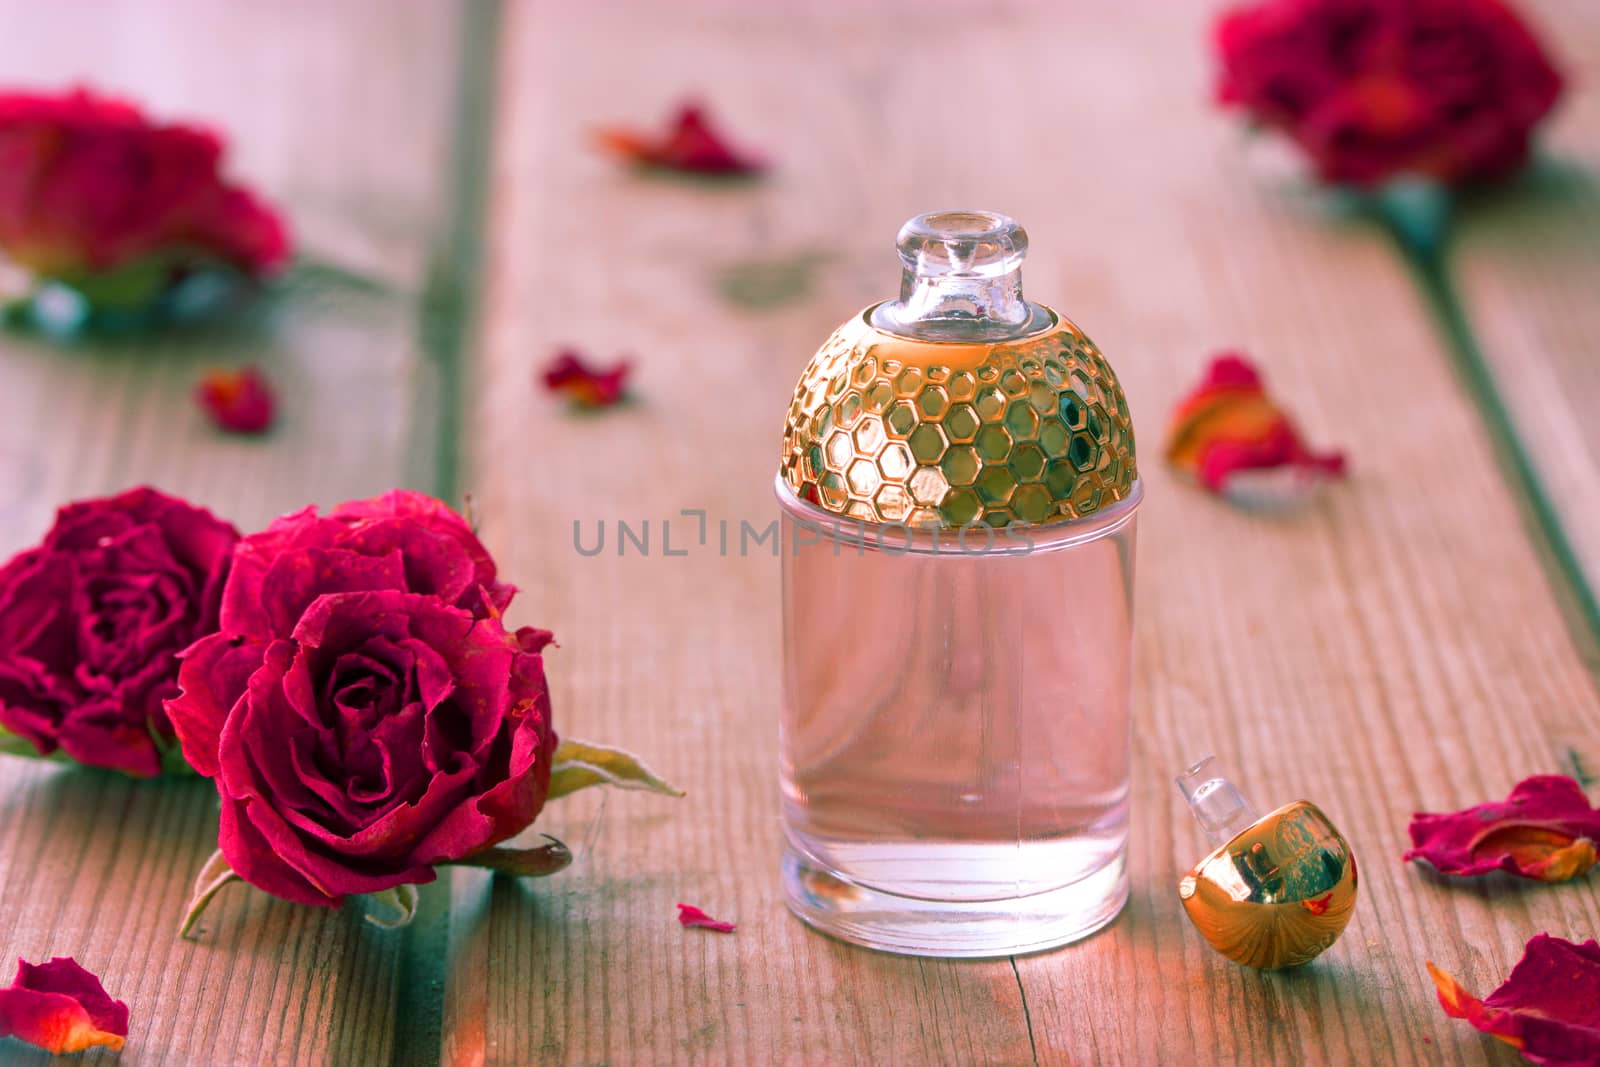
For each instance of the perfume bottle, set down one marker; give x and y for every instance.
(958, 489)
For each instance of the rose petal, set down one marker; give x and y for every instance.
(101, 734)
(583, 385)
(438, 553)
(1544, 830)
(297, 580)
(211, 678)
(1549, 1007)
(238, 401)
(1227, 426)
(689, 915)
(61, 1008)
(690, 145)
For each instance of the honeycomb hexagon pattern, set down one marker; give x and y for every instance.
(888, 429)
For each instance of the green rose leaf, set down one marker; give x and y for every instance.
(580, 764)
(16, 745)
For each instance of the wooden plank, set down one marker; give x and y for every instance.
(342, 115)
(1527, 262)
(1395, 647)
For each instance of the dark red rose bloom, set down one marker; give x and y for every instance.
(61, 1008)
(88, 185)
(92, 620)
(363, 711)
(1371, 89)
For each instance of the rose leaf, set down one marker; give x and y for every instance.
(16, 745)
(580, 764)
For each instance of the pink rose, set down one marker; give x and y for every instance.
(1371, 89)
(363, 711)
(92, 619)
(89, 185)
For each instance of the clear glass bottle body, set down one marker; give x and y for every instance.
(956, 729)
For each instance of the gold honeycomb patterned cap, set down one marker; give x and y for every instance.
(960, 402)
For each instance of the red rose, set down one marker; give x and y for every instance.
(389, 733)
(92, 619)
(89, 185)
(362, 709)
(1370, 89)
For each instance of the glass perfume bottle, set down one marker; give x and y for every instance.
(958, 489)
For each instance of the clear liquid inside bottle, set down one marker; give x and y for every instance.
(955, 736)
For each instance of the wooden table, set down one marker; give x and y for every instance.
(1410, 641)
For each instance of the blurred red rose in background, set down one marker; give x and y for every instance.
(1371, 89)
(89, 186)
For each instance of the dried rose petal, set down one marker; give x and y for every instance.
(689, 915)
(238, 401)
(689, 146)
(1549, 1009)
(584, 385)
(1545, 830)
(1234, 440)
(61, 1007)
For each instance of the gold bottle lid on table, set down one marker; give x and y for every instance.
(1279, 889)
(960, 402)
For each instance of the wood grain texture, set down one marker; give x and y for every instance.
(341, 115)
(1526, 260)
(1395, 647)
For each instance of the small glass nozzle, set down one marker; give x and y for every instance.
(1218, 806)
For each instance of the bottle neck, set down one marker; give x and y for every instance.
(962, 280)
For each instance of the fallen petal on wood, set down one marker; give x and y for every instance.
(689, 915)
(1545, 830)
(1548, 1009)
(238, 401)
(585, 385)
(1233, 439)
(60, 1007)
(689, 145)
